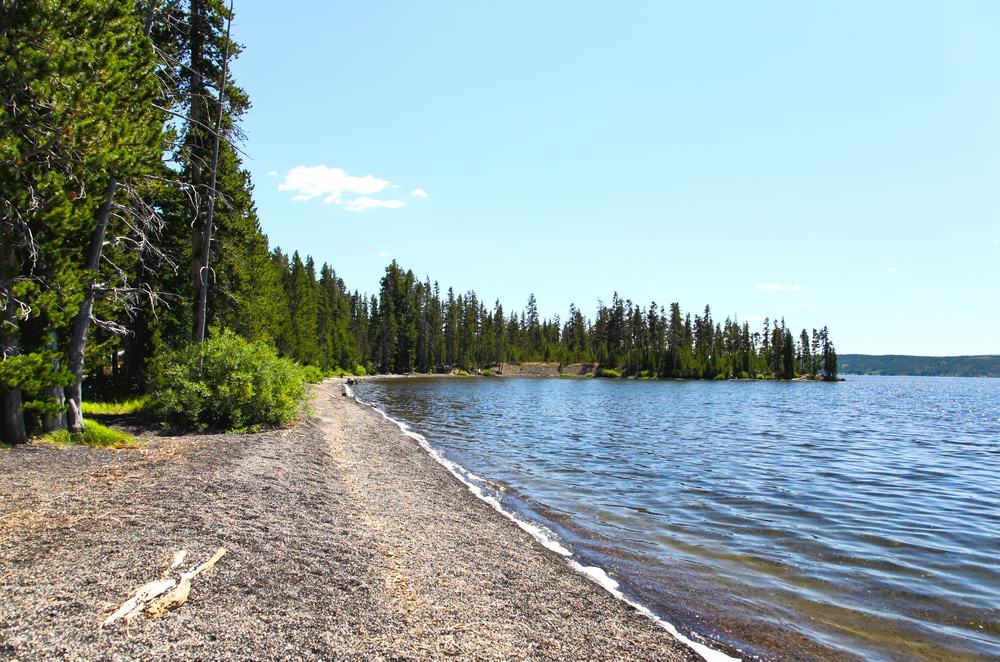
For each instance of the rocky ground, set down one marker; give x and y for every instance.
(344, 540)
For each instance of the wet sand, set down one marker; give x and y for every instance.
(344, 540)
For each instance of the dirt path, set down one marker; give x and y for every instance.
(345, 540)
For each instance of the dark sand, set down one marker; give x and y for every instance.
(345, 541)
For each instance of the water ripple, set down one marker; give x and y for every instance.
(804, 520)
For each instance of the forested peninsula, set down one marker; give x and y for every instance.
(921, 366)
(131, 243)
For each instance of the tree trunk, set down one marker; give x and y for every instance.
(51, 422)
(78, 339)
(196, 91)
(201, 314)
(12, 425)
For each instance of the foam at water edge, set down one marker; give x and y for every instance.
(544, 536)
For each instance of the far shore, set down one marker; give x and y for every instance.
(541, 369)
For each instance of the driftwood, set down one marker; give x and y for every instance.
(179, 595)
(158, 597)
(142, 595)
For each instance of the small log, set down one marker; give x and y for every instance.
(179, 595)
(171, 600)
(142, 595)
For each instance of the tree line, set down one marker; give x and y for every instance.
(412, 326)
(129, 231)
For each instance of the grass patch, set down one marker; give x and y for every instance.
(115, 407)
(94, 434)
(486, 372)
(609, 373)
(462, 373)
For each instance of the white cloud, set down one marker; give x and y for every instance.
(777, 287)
(364, 202)
(418, 193)
(807, 306)
(384, 254)
(308, 182)
(272, 173)
(892, 270)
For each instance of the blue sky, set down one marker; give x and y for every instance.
(834, 163)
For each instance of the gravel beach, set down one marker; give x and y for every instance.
(344, 540)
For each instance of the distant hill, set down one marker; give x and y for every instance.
(930, 366)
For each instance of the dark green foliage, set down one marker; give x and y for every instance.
(226, 383)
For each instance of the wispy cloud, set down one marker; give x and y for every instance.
(418, 193)
(778, 287)
(807, 306)
(272, 173)
(364, 202)
(308, 182)
(891, 270)
(384, 254)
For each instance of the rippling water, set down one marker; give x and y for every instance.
(858, 519)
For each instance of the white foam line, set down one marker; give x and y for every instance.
(595, 574)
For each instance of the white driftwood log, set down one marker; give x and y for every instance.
(179, 595)
(157, 597)
(142, 595)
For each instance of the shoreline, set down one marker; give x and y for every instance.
(546, 538)
(345, 538)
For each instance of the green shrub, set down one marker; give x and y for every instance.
(360, 371)
(462, 373)
(94, 434)
(227, 383)
(312, 374)
(759, 376)
(609, 373)
(744, 374)
(486, 372)
(721, 376)
(589, 374)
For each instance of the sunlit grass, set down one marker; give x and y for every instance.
(115, 408)
(94, 434)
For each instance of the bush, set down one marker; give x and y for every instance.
(744, 374)
(721, 376)
(360, 371)
(486, 372)
(227, 383)
(94, 434)
(312, 374)
(462, 373)
(609, 373)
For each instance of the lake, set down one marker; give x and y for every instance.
(850, 520)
